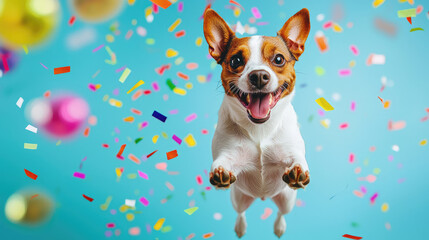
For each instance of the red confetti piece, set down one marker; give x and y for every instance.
(152, 153)
(147, 92)
(352, 237)
(47, 94)
(180, 33)
(71, 20)
(87, 198)
(86, 132)
(30, 174)
(236, 3)
(4, 59)
(119, 155)
(61, 70)
(409, 20)
(199, 180)
(35, 195)
(105, 145)
(172, 154)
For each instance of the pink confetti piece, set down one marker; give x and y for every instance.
(204, 131)
(256, 13)
(344, 72)
(43, 65)
(129, 34)
(177, 139)
(134, 231)
(262, 23)
(98, 48)
(344, 125)
(354, 50)
(321, 112)
(169, 186)
(370, 178)
(143, 175)
(155, 86)
(373, 198)
(351, 158)
(401, 180)
(357, 193)
(161, 166)
(143, 125)
(327, 25)
(267, 213)
(191, 117)
(144, 201)
(174, 111)
(192, 66)
(199, 180)
(180, 7)
(79, 175)
(353, 106)
(300, 203)
(120, 69)
(363, 189)
(394, 126)
(110, 225)
(155, 8)
(190, 192)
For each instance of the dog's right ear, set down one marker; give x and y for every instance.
(218, 35)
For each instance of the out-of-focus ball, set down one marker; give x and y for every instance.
(8, 59)
(27, 22)
(97, 10)
(29, 207)
(60, 117)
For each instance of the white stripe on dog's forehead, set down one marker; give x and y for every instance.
(255, 43)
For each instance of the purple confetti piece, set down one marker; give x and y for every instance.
(180, 7)
(155, 86)
(177, 139)
(97, 48)
(174, 111)
(143, 175)
(79, 175)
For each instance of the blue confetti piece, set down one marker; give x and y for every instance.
(159, 116)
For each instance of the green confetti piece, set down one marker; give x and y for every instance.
(190, 211)
(407, 13)
(138, 140)
(31, 146)
(166, 229)
(203, 194)
(310, 119)
(150, 41)
(169, 197)
(320, 71)
(355, 224)
(416, 29)
(124, 75)
(171, 84)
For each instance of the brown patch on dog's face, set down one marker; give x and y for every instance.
(275, 47)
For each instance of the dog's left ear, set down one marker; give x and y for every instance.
(295, 31)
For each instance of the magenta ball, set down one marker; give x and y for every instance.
(68, 115)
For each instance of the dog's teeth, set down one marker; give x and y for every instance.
(271, 98)
(248, 98)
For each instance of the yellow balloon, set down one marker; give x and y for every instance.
(97, 10)
(29, 207)
(27, 22)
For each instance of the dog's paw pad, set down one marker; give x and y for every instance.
(296, 178)
(221, 178)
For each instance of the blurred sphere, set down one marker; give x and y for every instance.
(8, 59)
(60, 117)
(29, 207)
(97, 10)
(27, 22)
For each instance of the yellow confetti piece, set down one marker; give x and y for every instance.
(105, 97)
(118, 172)
(110, 38)
(189, 85)
(31, 146)
(190, 211)
(366, 162)
(384, 207)
(129, 119)
(164, 135)
(174, 25)
(58, 143)
(179, 91)
(237, 12)
(386, 104)
(138, 84)
(324, 104)
(201, 78)
(213, 64)
(171, 53)
(325, 123)
(190, 140)
(115, 103)
(377, 3)
(123, 208)
(337, 28)
(158, 224)
(105, 205)
(130, 217)
(131, 2)
(179, 60)
(132, 176)
(124, 75)
(148, 11)
(352, 63)
(199, 41)
(155, 138)
(25, 49)
(376, 171)
(423, 142)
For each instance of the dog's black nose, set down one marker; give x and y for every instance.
(259, 78)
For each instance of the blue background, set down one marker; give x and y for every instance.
(331, 209)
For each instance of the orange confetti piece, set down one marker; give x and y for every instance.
(162, 3)
(129, 119)
(133, 158)
(386, 104)
(86, 132)
(61, 70)
(119, 155)
(35, 195)
(208, 235)
(180, 33)
(182, 75)
(47, 94)
(172, 154)
(30, 174)
(137, 94)
(87, 198)
(381, 99)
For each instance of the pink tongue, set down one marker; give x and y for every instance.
(259, 105)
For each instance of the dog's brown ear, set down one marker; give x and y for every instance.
(295, 31)
(218, 34)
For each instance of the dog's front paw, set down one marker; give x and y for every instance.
(295, 177)
(221, 178)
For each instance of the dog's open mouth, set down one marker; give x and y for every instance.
(259, 104)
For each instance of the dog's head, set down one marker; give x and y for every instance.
(259, 70)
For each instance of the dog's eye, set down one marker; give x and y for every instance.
(279, 60)
(236, 61)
